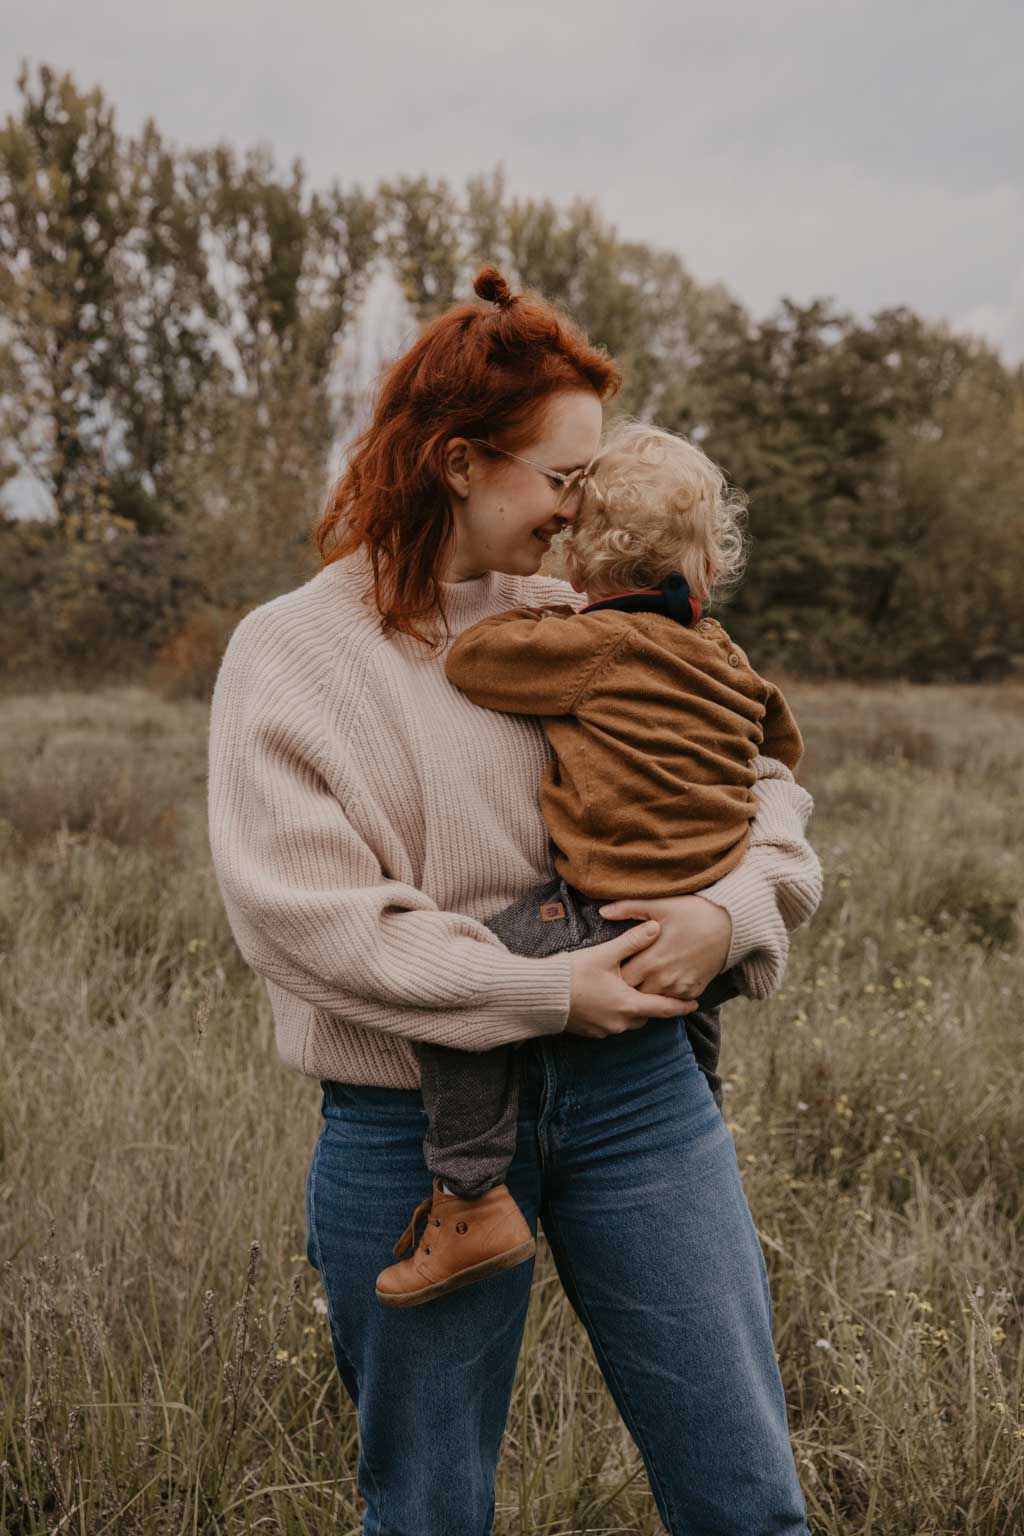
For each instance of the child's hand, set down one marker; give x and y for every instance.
(558, 611)
(690, 950)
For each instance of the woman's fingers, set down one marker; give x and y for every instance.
(632, 940)
(653, 1005)
(601, 1000)
(619, 911)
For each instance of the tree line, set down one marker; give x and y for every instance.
(174, 373)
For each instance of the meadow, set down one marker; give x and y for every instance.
(165, 1362)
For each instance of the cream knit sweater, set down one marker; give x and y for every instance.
(364, 816)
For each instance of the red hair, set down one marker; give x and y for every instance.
(472, 372)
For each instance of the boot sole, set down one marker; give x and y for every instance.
(479, 1271)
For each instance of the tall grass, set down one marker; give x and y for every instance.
(165, 1363)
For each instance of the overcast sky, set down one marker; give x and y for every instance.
(871, 151)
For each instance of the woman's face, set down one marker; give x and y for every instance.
(501, 505)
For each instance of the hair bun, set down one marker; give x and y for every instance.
(490, 285)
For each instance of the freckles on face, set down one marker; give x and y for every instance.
(516, 520)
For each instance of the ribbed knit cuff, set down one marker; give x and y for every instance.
(526, 997)
(751, 905)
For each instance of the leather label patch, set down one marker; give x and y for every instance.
(550, 910)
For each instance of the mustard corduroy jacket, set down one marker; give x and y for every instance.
(653, 727)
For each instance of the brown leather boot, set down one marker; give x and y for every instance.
(463, 1241)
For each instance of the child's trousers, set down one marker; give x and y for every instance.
(472, 1097)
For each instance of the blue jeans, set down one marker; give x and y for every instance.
(624, 1156)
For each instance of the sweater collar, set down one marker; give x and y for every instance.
(464, 601)
(672, 598)
(467, 601)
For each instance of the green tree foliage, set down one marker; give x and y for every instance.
(62, 214)
(870, 452)
(289, 268)
(161, 308)
(168, 375)
(420, 224)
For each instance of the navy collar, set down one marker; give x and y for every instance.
(671, 598)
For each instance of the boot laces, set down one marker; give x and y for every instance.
(408, 1237)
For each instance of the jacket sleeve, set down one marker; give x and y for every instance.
(529, 661)
(776, 886)
(309, 904)
(782, 739)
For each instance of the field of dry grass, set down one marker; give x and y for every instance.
(165, 1364)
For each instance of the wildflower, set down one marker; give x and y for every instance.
(998, 1335)
(840, 1391)
(320, 1305)
(280, 1354)
(822, 1344)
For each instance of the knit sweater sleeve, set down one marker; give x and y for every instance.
(776, 886)
(309, 905)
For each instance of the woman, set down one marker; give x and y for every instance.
(365, 818)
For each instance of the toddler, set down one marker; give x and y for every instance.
(654, 717)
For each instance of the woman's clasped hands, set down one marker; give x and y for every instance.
(656, 970)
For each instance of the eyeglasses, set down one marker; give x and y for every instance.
(564, 484)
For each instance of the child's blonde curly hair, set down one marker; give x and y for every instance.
(652, 503)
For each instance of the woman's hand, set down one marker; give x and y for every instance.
(600, 1002)
(690, 950)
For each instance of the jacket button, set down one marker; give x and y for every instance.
(734, 660)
